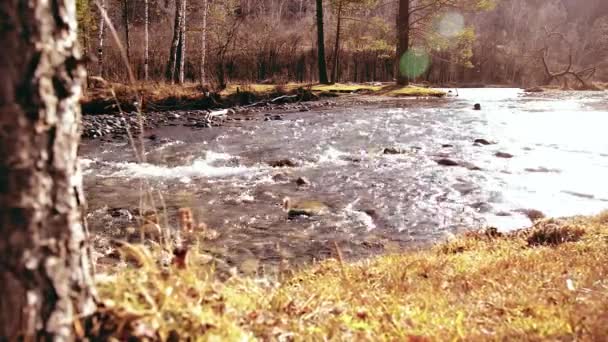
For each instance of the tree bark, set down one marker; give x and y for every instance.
(334, 71)
(126, 23)
(403, 39)
(101, 36)
(173, 53)
(45, 271)
(321, 45)
(182, 45)
(146, 39)
(204, 42)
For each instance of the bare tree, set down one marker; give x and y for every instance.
(550, 76)
(204, 42)
(126, 23)
(45, 273)
(403, 38)
(146, 39)
(101, 36)
(182, 51)
(175, 42)
(334, 70)
(322, 65)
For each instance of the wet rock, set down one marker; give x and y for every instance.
(534, 90)
(152, 137)
(304, 208)
(351, 159)
(273, 117)
(282, 163)
(303, 181)
(472, 167)
(484, 142)
(504, 155)
(393, 151)
(477, 106)
(533, 214)
(481, 207)
(447, 162)
(280, 177)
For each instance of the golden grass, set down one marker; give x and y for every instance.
(345, 88)
(413, 91)
(481, 286)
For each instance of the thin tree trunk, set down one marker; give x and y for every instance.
(403, 39)
(182, 54)
(322, 65)
(334, 71)
(204, 42)
(146, 39)
(101, 36)
(172, 64)
(126, 23)
(45, 270)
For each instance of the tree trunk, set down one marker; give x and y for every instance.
(126, 23)
(182, 44)
(204, 42)
(334, 71)
(321, 45)
(403, 39)
(101, 36)
(172, 65)
(146, 39)
(45, 270)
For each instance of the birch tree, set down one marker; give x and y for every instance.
(45, 273)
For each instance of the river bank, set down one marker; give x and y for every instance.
(545, 282)
(112, 108)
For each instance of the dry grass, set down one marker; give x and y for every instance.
(413, 91)
(481, 286)
(345, 88)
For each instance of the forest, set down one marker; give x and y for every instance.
(463, 41)
(299, 170)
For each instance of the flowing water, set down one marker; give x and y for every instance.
(378, 202)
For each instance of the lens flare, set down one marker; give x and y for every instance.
(414, 63)
(451, 24)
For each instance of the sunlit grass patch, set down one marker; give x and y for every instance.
(479, 286)
(345, 88)
(413, 91)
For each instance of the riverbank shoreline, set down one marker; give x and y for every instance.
(544, 282)
(111, 109)
(106, 98)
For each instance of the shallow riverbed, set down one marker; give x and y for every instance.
(378, 202)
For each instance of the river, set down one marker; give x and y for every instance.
(378, 202)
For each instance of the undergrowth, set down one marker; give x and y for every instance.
(547, 282)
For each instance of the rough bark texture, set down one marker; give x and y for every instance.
(102, 31)
(403, 38)
(45, 275)
(321, 44)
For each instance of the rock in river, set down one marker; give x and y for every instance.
(304, 208)
(484, 142)
(282, 163)
(504, 155)
(447, 162)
